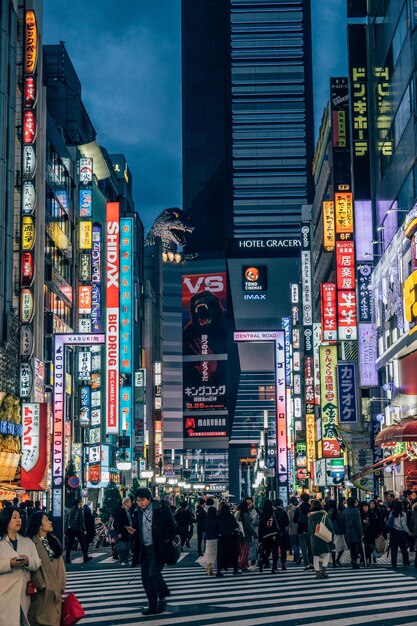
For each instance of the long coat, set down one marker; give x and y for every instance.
(50, 579)
(318, 546)
(353, 524)
(163, 528)
(13, 581)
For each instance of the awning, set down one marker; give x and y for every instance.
(389, 460)
(404, 432)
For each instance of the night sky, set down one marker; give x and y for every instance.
(128, 57)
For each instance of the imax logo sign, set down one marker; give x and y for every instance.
(254, 296)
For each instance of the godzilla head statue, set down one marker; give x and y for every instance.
(171, 226)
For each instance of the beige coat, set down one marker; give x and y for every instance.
(50, 579)
(13, 581)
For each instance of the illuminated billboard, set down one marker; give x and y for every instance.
(329, 406)
(204, 355)
(328, 311)
(343, 206)
(31, 42)
(329, 234)
(112, 317)
(35, 445)
(126, 295)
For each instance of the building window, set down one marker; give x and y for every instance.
(266, 392)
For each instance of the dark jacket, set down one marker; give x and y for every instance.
(163, 530)
(353, 524)
(301, 517)
(200, 516)
(318, 546)
(89, 523)
(337, 521)
(227, 525)
(268, 526)
(184, 519)
(75, 520)
(248, 529)
(121, 522)
(413, 520)
(211, 527)
(371, 525)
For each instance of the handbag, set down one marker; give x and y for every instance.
(31, 588)
(380, 543)
(323, 533)
(172, 550)
(390, 523)
(72, 611)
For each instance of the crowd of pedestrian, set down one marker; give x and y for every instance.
(245, 538)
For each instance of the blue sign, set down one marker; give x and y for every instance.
(347, 393)
(86, 202)
(126, 418)
(126, 295)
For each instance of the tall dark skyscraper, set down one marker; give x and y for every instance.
(247, 118)
(248, 147)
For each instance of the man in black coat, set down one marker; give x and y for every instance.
(154, 525)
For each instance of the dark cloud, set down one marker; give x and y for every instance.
(128, 57)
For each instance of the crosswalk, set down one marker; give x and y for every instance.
(377, 595)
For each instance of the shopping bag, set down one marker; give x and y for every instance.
(31, 588)
(323, 533)
(72, 611)
(380, 543)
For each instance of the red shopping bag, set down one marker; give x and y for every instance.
(72, 611)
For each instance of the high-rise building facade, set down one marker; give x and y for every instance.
(247, 154)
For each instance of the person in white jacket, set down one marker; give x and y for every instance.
(18, 557)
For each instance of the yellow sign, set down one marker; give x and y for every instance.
(86, 235)
(31, 42)
(329, 237)
(311, 437)
(28, 232)
(343, 203)
(410, 297)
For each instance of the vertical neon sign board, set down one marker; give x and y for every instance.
(126, 296)
(112, 317)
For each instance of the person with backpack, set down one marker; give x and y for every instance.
(301, 518)
(75, 530)
(268, 536)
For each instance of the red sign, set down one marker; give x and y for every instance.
(29, 127)
(94, 473)
(345, 264)
(84, 299)
(331, 449)
(112, 315)
(27, 269)
(346, 315)
(328, 311)
(34, 463)
(30, 92)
